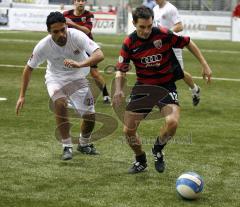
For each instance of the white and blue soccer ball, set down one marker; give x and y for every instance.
(189, 185)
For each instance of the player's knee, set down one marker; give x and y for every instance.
(172, 124)
(129, 132)
(60, 103)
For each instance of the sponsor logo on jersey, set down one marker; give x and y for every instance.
(152, 60)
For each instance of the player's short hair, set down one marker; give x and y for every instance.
(142, 12)
(54, 17)
(76, 0)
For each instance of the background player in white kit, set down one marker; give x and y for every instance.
(68, 65)
(166, 15)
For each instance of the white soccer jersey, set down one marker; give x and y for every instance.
(167, 16)
(77, 46)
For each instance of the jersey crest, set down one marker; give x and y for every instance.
(76, 52)
(158, 44)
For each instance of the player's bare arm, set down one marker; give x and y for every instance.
(206, 70)
(26, 76)
(96, 57)
(119, 94)
(78, 27)
(177, 27)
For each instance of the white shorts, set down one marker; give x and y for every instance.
(77, 93)
(178, 53)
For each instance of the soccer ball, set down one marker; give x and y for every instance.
(189, 185)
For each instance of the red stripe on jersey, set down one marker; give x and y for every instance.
(153, 72)
(127, 41)
(158, 81)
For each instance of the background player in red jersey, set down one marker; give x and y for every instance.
(236, 11)
(81, 19)
(157, 69)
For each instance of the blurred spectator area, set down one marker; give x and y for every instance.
(200, 5)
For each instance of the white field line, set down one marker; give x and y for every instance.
(3, 99)
(8, 32)
(130, 73)
(18, 41)
(117, 46)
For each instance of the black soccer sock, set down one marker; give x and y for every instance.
(104, 91)
(141, 158)
(158, 146)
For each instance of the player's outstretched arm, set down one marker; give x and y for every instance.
(206, 70)
(96, 57)
(26, 76)
(76, 26)
(178, 27)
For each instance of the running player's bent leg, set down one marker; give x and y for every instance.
(188, 80)
(61, 115)
(85, 146)
(171, 112)
(171, 122)
(84, 105)
(63, 126)
(131, 123)
(87, 125)
(98, 78)
(100, 82)
(194, 88)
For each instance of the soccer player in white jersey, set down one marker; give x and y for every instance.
(68, 65)
(166, 15)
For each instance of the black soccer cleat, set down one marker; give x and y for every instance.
(158, 160)
(106, 100)
(196, 97)
(88, 149)
(137, 167)
(67, 153)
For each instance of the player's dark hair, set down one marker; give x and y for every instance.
(142, 12)
(54, 17)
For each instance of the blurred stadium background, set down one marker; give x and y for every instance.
(10, 9)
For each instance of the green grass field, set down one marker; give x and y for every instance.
(207, 140)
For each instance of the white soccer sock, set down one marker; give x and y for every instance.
(195, 89)
(67, 142)
(83, 141)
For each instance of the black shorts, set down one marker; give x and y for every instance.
(144, 97)
(94, 67)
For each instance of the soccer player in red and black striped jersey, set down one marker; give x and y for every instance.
(157, 69)
(82, 20)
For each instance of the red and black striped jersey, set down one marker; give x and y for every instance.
(153, 58)
(85, 19)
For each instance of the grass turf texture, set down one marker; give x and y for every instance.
(207, 140)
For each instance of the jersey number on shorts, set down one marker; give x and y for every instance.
(90, 101)
(174, 96)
